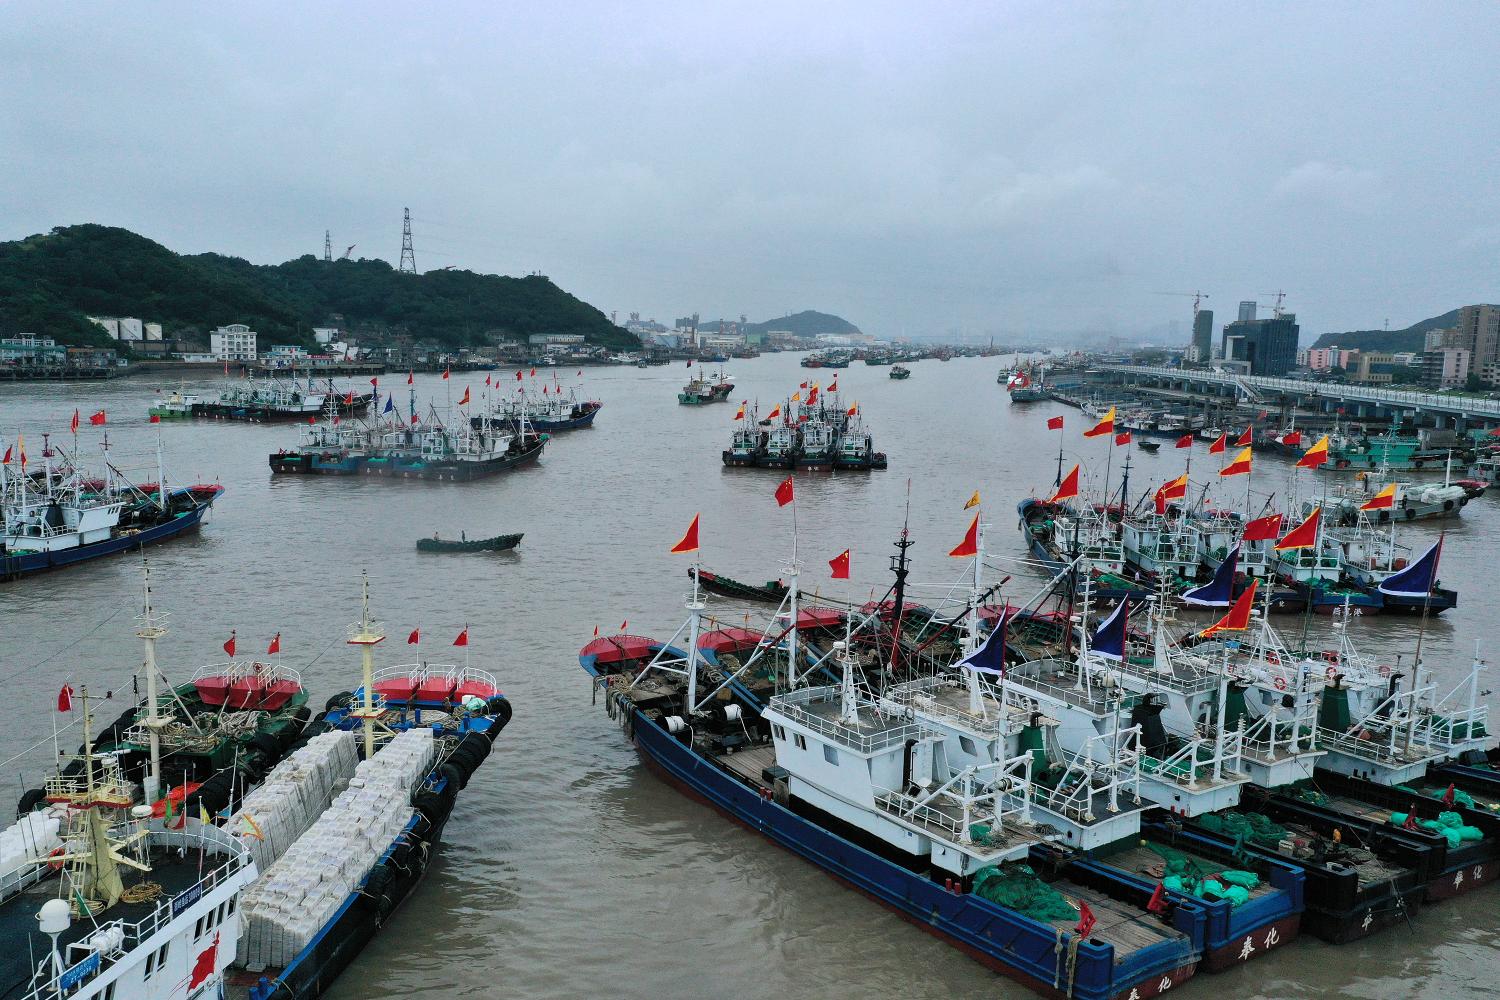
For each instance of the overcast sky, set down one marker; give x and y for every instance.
(996, 168)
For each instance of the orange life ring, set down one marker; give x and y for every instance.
(1273, 658)
(1332, 672)
(1385, 670)
(57, 853)
(1281, 683)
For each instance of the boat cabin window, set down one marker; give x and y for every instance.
(831, 755)
(799, 741)
(968, 746)
(779, 733)
(156, 960)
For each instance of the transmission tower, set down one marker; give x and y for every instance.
(328, 245)
(408, 257)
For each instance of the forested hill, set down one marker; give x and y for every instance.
(50, 283)
(1413, 338)
(807, 323)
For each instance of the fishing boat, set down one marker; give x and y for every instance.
(816, 445)
(1148, 446)
(175, 405)
(1346, 505)
(547, 412)
(698, 391)
(1021, 388)
(107, 900)
(344, 830)
(772, 591)
(900, 372)
(275, 400)
(855, 448)
(60, 513)
(1390, 451)
(499, 543)
(929, 794)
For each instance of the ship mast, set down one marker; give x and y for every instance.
(151, 628)
(899, 567)
(367, 635)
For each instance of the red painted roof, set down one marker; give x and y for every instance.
(617, 648)
(819, 617)
(729, 639)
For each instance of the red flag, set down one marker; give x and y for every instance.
(6, 460)
(1086, 920)
(1068, 489)
(1448, 796)
(785, 494)
(1410, 823)
(624, 624)
(349, 398)
(1303, 536)
(487, 380)
(1054, 423)
(411, 378)
(544, 390)
(335, 420)
(312, 420)
(446, 371)
(839, 564)
(275, 646)
(65, 698)
(533, 373)
(1263, 529)
(463, 637)
(156, 418)
(1316, 455)
(1122, 438)
(75, 420)
(596, 631)
(1220, 444)
(518, 374)
(1186, 441)
(229, 643)
(1292, 439)
(465, 400)
(853, 411)
(1238, 618)
(415, 637)
(1245, 439)
(1239, 467)
(802, 385)
(1158, 901)
(97, 419)
(375, 382)
(970, 545)
(206, 964)
(775, 412)
(689, 541)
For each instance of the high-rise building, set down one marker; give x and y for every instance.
(1247, 312)
(1478, 330)
(1267, 346)
(1203, 335)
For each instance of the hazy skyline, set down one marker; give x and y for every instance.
(995, 169)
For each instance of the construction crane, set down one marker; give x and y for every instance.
(1197, 298)
(347, 251)
(1276, 309)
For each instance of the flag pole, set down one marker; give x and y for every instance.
(1058, 481)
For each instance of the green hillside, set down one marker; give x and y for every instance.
(807, 323)
(50, 283)
(1412, 338)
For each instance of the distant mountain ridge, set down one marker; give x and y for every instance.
(51, 283)
(1413, 338)
(808, 323)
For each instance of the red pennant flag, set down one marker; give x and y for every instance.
(1186, 441)
(349, 398)
(312, 420)
(533, 373)
(1316, 455)
(1238, 618)
(415, 637)
(775, 412)
(465, 400)
(1122, 438)
(275, 646)
(486, 380)
(596, 631)
(802, 385)
(97, 419)
(624, 624)
(1292, 439)
(689, 541)
(75, 420)
(1220, 444)
(518, 374)
(229, 643)
(970, 545)
(785, 493)
(446, 372)
(1448, 796)
(853, 411)
(6, 460)
(544, 390)
(375, 382)
(1054, 423)
(65, 698)
(1303, 536)
(411, 378)
(1068, 489)
(156, 418)
(839, 564)
(1106, 425)
(1263, 529)
(1239, 467)
(415, 420)
(1086, 920)
(1245, 439)
(463, 637)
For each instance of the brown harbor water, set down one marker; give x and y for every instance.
(567, 869)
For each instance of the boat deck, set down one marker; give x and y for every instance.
(749, 763)
(1141, 860)
(1127, 928)
(21, 942)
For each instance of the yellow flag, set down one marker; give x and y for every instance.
(202, 813)
(797, 396)
(973, 501)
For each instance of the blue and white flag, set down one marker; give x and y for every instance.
(390, 405)
(1109, 641)
(989, 658)
(1416, 580)
(1219, 591)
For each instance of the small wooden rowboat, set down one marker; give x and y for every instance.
(772, 592)
(497, 544)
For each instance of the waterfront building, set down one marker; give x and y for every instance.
(1266, 346)
(235, 342)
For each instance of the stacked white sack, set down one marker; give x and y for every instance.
(31, 838)
(294, 795)
(302, 890)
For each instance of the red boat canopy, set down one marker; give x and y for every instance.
(619, 648)
(992, 612)
(728, 640)
(819, 618)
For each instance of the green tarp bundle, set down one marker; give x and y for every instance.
(1256, 828)
(1185, 875)
(1449, 825)
(1017, 888)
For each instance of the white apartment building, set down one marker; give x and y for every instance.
(235, 342)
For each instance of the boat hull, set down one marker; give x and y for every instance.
(1000, 939)
(311, 464)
